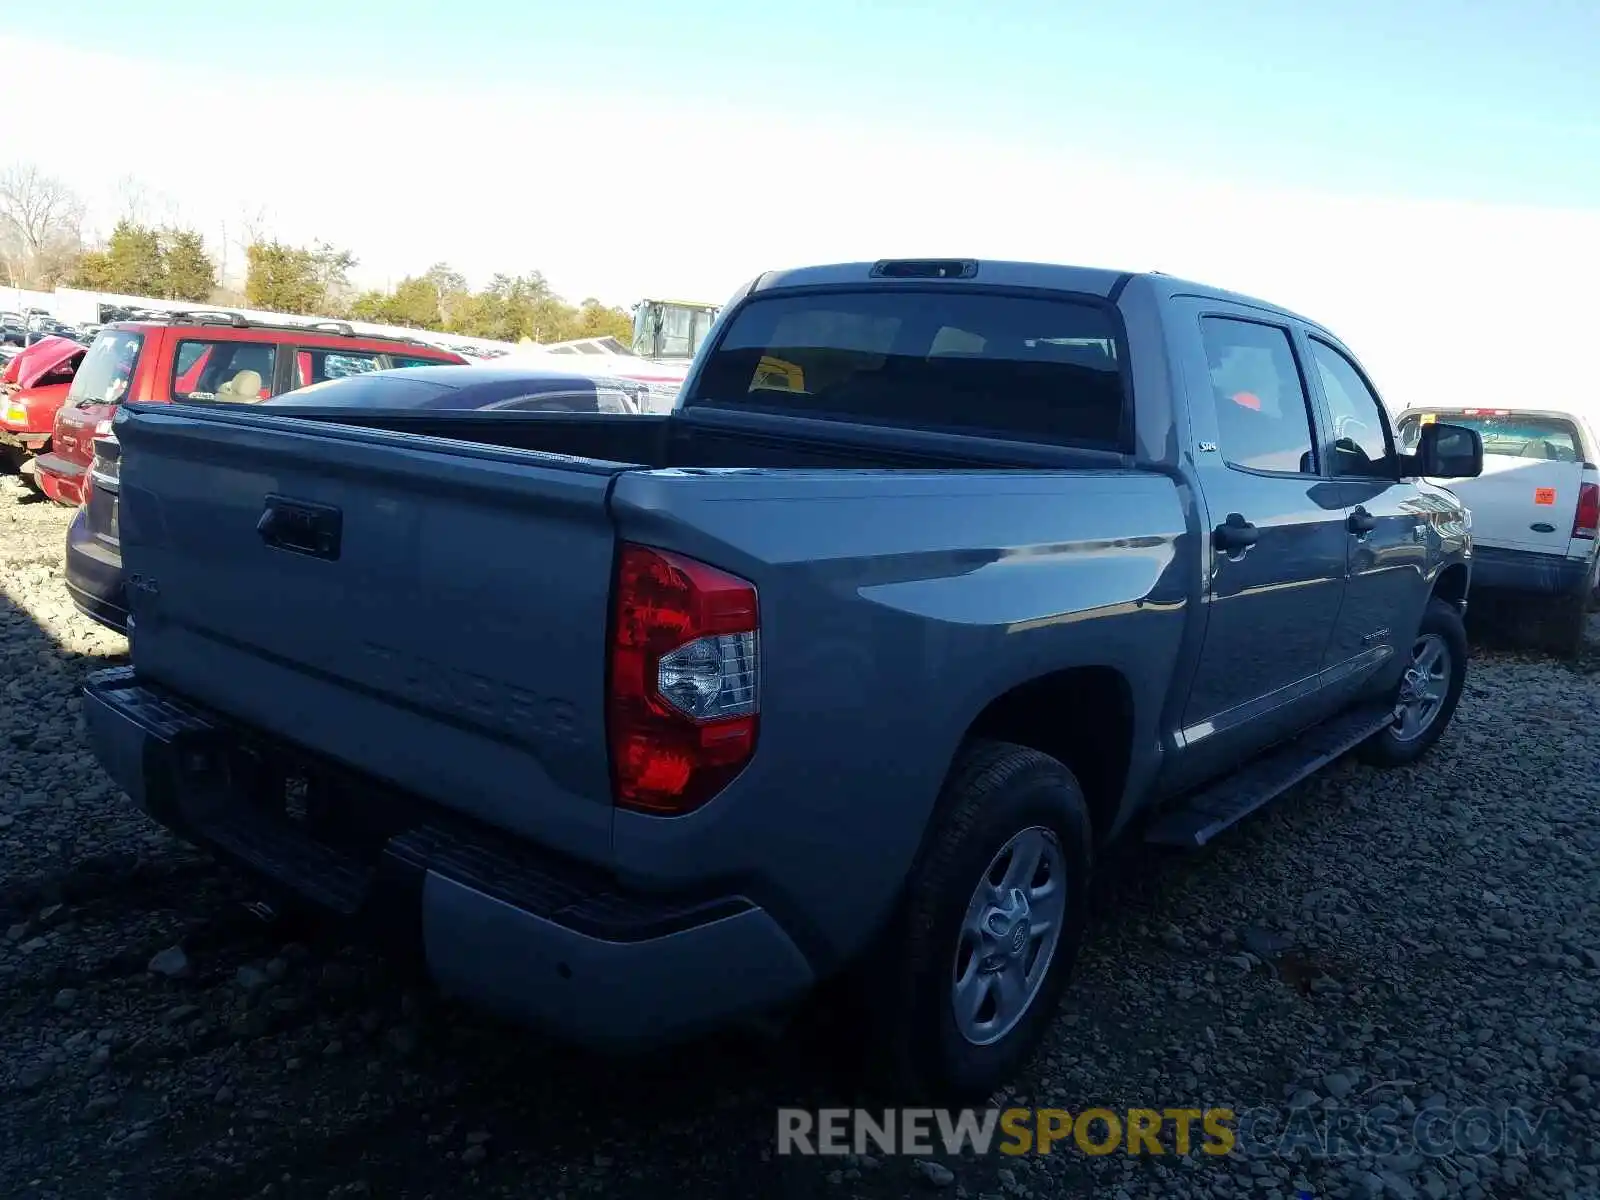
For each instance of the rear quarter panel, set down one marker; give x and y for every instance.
(895, 605)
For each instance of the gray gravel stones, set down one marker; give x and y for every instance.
(171, 962)
(1423, 943)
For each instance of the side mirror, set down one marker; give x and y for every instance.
(1446, 451)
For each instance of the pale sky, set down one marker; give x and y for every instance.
(1414, 194)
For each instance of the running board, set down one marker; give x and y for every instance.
(1197, 818)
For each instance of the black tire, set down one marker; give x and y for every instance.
(1560, 626)
(1386, 748)
(995, 792)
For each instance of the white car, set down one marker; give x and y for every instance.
(1535, 515)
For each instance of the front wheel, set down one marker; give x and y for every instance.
(1428, 693)
(994, 914)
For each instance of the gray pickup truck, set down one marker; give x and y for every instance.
(941, 575)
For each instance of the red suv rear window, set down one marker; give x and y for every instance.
(107, 369)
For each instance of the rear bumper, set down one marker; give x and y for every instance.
(94, 576)
(1500, 570)
(496, 921)
(59, 479)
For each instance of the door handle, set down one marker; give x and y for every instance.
(1361, 522)
(301, 527)
(1235, 533)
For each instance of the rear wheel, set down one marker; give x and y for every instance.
(972, 974)
(1428, 692)
(1559, 626)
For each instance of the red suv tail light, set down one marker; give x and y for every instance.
(1587, 522)
(684, 697)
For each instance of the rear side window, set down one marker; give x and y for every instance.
(1549, 438)
(316, 366)
(227, 371)
(106, 371)
(1004, 366)
(1263, 422)
(368, 391)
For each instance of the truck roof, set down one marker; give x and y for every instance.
(1090, 281)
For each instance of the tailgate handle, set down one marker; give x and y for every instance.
(1542, 527)
(301, 527)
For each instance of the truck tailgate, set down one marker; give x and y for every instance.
(1522, 503)
(432, 612)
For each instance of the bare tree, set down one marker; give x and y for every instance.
(40, 223)
(135, 200)
(248, 229)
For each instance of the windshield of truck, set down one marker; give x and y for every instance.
(1553, 439)
(677, 333)
(961, 361)
(106, 371)
(699, 327)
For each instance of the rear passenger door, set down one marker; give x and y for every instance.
(1385, 545)
(1275, 566)
(314, 364)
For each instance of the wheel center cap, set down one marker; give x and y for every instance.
(1018, 939)
(1009, 927)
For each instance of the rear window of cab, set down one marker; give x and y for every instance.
(1009, 366)
(1508, 434)
(106, 371)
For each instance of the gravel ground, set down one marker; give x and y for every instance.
(1428, 938)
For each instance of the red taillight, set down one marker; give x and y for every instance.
(1587, 522)
(684, 698)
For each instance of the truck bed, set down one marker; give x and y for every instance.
(437, 615)
(710, 439)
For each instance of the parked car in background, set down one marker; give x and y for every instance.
(94, 563)
(13, 329)
(1535, 516)
(631, 726)
(41, 324)
(205, 356)
(32, 390)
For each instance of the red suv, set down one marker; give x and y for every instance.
(200, 357)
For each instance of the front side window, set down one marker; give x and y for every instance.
(1263, 422)
(230, 372)
(956, 360)
(1361, 435)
